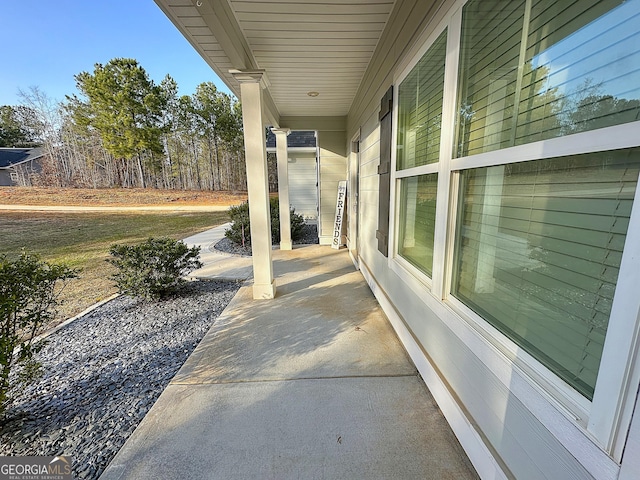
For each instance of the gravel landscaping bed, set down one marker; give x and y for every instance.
(309, 237)
(104, 371)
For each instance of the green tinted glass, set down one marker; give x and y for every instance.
(538, 249)
(417, 220)
(420, 109)
(536, 70)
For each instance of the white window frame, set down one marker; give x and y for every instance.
(410, 274)
(604, 420)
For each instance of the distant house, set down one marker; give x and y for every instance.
(17, 165)
(303, 162)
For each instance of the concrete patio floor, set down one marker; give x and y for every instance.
(311, 385)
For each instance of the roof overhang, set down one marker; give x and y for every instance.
(305, 48)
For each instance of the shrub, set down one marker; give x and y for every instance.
(28, 297)
(240, 230)
(296, 222)
(154, 268)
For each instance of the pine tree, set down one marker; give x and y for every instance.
(125, 107)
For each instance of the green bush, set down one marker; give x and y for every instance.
(153, 269)
(296, 222)
(28, 297)
(240, 230)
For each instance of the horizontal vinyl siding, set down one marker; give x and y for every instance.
(506, 424)
(368, 206)
(631, 458)
(333, 169)
(303, 190)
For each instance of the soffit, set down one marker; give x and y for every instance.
(321, 45)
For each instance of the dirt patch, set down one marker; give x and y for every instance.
(130, 197)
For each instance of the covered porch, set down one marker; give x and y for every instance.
(312, 384)
(294, 66)
(445, 117)
(308, 350)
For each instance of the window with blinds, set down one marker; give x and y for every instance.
(538, 249)
(538, 69)
(417, 220)
(420, 109)
(420, 97)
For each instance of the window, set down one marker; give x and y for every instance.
(420, 100)
(539, 250)
(536, 70)
(516, 168)
(420, 109)
(417, 220)
(539, 243)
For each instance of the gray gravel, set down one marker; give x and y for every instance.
(309, 237)
(103, 373)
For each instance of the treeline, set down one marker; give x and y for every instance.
(124, 130)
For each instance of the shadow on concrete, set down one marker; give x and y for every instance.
(312, 384)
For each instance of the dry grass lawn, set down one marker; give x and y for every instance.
(82, 240)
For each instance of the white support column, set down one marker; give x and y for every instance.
(283, 186)
(251, 84)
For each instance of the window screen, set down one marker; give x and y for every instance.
(539, 246)
(548, 70)
(420, 109)
(417, 220)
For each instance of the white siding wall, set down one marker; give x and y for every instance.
(369, 160)
(631, 460)
(303, 179)
(333, 169)
(528, 435)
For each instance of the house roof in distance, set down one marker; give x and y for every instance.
(15, 156)
(294, 139)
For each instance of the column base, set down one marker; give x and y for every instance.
(264, 291)
(286, 246)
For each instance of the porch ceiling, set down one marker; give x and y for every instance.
(319, 46)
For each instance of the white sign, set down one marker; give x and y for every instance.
(337, 225)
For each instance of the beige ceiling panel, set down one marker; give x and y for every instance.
(212, 47)
(310, 26)
(306, 18)
(284, 76)
(314, 55)
(182, 11)
(202, 31)
(323, 46)
(304, 8)
(284, 43)
(179, 3)
(257, 36)
(193, 22)
(316, 48)
(329, 3)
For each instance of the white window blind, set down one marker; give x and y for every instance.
(538, 251)
(417, 220)
(420, 109)
(490, 50)
(536, 70)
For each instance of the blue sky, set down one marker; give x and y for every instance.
(46, 42)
